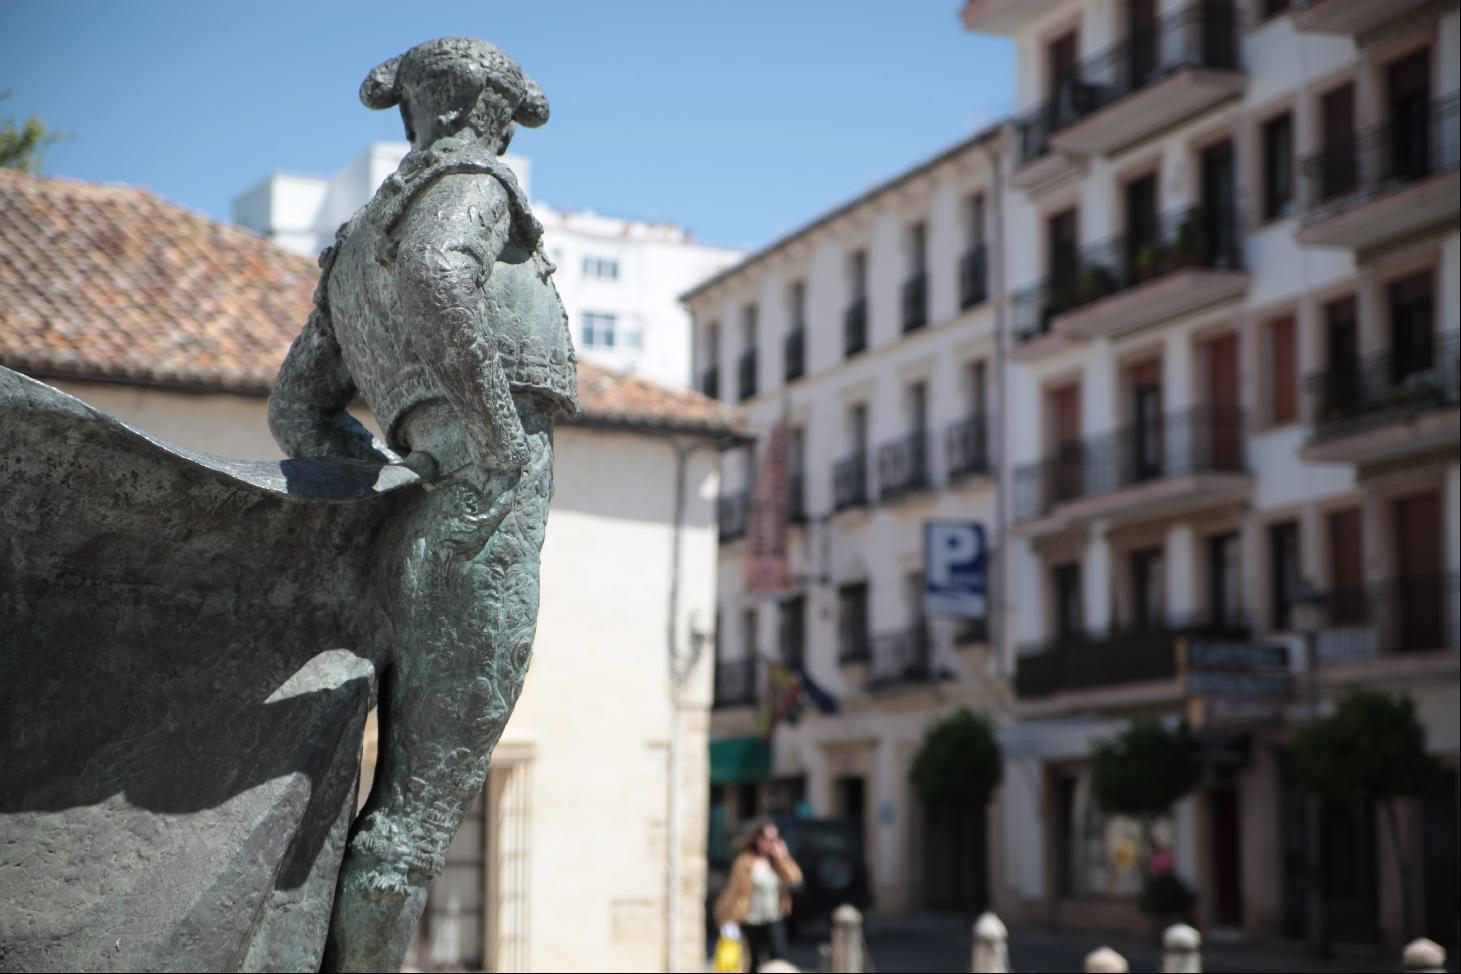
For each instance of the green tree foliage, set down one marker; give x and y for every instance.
(959, 764)
(24, 146)
(1145, 770)
(1370, 749)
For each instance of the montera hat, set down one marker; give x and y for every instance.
(465, 63)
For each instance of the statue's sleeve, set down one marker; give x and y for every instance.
(307, 406)
(449, 244)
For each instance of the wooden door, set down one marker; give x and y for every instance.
(1224, 422)
(1065, 434)
(1347, 596)
(1408, 83)
(1422, 589)
(1339, 169)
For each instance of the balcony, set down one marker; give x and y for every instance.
(1386, 183)
(1003, 16)
(1393, 618)
(710, 382)
(1174, 464)
(1036, 166)
(854, 328)
(1191, 259)
(746, 375)
(1085, 661)
(966, 448)
(1387, 408)
(795, 353)
(903, 658)
(1349, 17)
(1149, 81)
(849, 483)
(915, 302)
(732, 512)
(903, 467)
(737, 683)
(796, 498)
(974, 277)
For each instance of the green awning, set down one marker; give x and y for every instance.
(737, 759)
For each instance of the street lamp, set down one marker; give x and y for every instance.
(1308, 617)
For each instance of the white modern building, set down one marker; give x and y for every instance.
(1232, 249)
(620, 279)
(870, 335)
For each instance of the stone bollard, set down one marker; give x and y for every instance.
(1181, 950)
(1104, 960)
(778, 967)
(846, 940)
(1423, 957)
(991, 946)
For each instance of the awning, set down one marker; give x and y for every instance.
(737, 759)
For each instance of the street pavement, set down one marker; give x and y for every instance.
(928, 942)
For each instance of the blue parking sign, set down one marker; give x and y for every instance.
(955, 575)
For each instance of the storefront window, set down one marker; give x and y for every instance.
(1100, 854)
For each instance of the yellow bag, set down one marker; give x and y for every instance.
(730, 954)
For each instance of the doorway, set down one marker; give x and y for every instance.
(1227, 855)
(956, 859)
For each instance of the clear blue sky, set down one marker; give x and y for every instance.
(740, 120)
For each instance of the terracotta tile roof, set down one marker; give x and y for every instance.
(110, 283)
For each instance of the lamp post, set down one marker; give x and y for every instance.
(1308, 616)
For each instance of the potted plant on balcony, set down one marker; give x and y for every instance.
(1187, 244)
(1149, 260)
(1094, 283)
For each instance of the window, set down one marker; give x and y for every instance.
(1283, 572)
(913, 594)
(796, 301)
(978, 387)
(1346, 567)
(852, 622)
(1412, 320)
(1061, 257)
(792, 638)
(1148, 589)
(1283, 376)
(599, 329)
(1102, 855)
(605, 268)
(976, 220)
(748, 634)
(1225, 580)
(1278, 167)
(1060, 66)
(857, 275)
(917, 247)
(1066, 584)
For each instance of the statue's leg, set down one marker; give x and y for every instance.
(464, 636)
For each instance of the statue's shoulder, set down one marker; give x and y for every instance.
(422, 169)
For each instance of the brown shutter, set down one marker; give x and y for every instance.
(1284, 381)
(1346, 567)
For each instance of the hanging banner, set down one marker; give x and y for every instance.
(767, 572)
(955, 573)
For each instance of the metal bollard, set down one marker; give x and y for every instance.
(1181, 950)
(1104, 960)
(991, 946)
(1423, 956)
(846, 940)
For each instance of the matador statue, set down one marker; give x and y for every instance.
(436, 306)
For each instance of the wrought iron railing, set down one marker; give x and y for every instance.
(849, 482)
(966, 445)
(1201, 439)
(1352, 395)
(795, 348)
(737, 683)
(854, 327)
(903, 657)
(733, 510)
(1197, 237)
(915, 302)
(1420, 141)
(974, 276)
(1204, 35)
(1413, 613)
(710, 382)
(1086, 661)
(746, 374)
(903, 466)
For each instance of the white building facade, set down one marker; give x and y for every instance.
(620, 279)
(870, 335)
(1232, 249)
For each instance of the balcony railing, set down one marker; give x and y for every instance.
(849, 482)
(903, 466)
(1198, 237)
(854, 648)
(1088, 661)
(1203, 439)
(854, 327)
(796, 498)
(967, 447)
(1350, 396)
(737, 683)
(1420, 142)
(733, 511)
(902, 658)
(710, 382)
(1204, 35)
(1408, 615)
(746, 374)
(974, 277)
(915, 302)
(795, 348)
